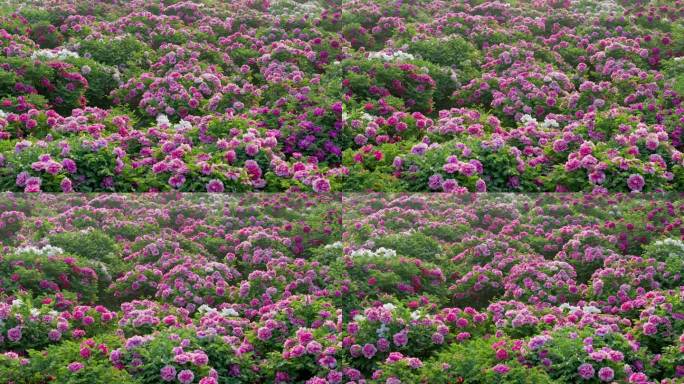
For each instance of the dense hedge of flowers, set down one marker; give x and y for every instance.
(324, 288)
(341, 95)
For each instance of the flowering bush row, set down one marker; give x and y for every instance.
(349, 95)
(322, 288)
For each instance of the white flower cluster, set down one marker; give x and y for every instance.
(163, 119)
(586, 309)
(51, 54)
(3, 114)
(367, 117)
(615, 211)
(226, 312)
(527, 119)
(391, 56)
(47, 250)
(591, 309)
(182, 125)
(670, 242)
(335, 245)
(609, 6)
(453, 75)
(380, 252)
(550, 123)
(206, 309)
(599, 6)
(292, 8)
(104, 270)
(674, 242)
(116, 75)
(382, 331)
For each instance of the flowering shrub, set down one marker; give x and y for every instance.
(365, 79)
(379, 332)
(659, 322)
(536, 282)
(164, 357)
(28, 326)
(477, 361)
(10, 224)
(91, 244)
(28, 323)
(69, 362)
(671, 252)
(196, 282)
(623, 278)
(600, 355)
(673, 358)
(586, 251)
(141, 317)
(382, 271)
(59, 82)
(48, 269)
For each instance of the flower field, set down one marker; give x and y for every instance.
(550, 131)
(321, 288)
(341, 95)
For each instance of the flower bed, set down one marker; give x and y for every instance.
(319, 288)
(349, 95)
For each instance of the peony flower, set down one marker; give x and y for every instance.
(400, 339)
(185, 376)
(75, 367)
(586, 371)
(14, 334)
(321, 185)
(606, 374)
(176, 181)
(635, 183)
(215, 186)
(369, 351)
(501, 369)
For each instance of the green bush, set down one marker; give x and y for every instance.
(451, 52)
(10, 224)
(91, 244)
(51, 365)
(47, 269)
(666, 250)
(408, 82)
(566, 349)
(126, 51)
(46, 35)
(471, 362)
(100, 78)
(379, 273)
(61, 85)
(414, 244)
